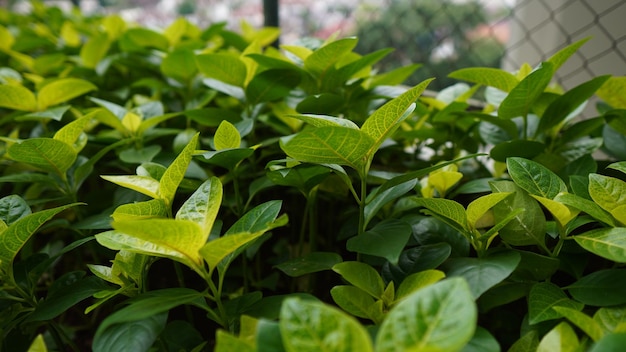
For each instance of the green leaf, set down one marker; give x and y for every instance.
(55, 114)
(610, 343)
(38, 345)
(13, 208)
(142, 184)
(322, 59)
(416, 259)
(440, 317)
(482, 341)
(137, 39)
(587, 206)
(180, 64)
(480, 206)
(386, 119)
(526, 343)
(46, 154)
(223, 67)
(217, 250)
(565, 104)
(154, 208)
(485, 272)
(226, 342)
(534, 178)
(309, 263)
(609, 243)
(226, 136)
(203, 205)
(516, 148)
(561, 338)
(71, 132)
(610, 318)
(449, 209)
(582, 321)
(176, 172)
(543, 297)
(271, 85)
(314, 326)
(94, 50)
(612, 92)
(377, 200)
(13, 238)
(601, 288)
(520, 99)
(62, 90)
(180, 240)
(607, 192)
(488, 76)
(17, 98)
(227, 158)
(562, 55)
(418, 281)
(324, 120)
(331, 145)
(362, 276)
(353, 300)
(386, 239)
(528, 227)
(562, 213)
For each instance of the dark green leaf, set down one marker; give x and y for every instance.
(137, 335)
(534, 178)
(310, 263)
(516, 148)
(601, 288)
(610, 343)
(271, 85)
(543, 296)
(520, 99)
(386, 239)
(13, 208)
(416, 259)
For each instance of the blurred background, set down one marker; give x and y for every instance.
(443, 35)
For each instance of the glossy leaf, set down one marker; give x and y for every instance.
(610, 318)
(587, 206)
(142, 184)
(307, 325)
(543, 297)
(17, 98)
(71, 132)
(493, 77)
(520, 99)
(418, 281)
(582, 321)
(561, 338)
(440, 317)
(379, 199)
(607, 192)
(154, 208)
(330, 145)
(600, 288)
(480, 206)
(386, 239)
(62, 90)
(223, 67)
(353, 300)
(535, 178)
(225, 342)
(416, 259)
(215, 251)
(562, 213)
(386, 119)
(449, 209)
(203, 205)
(609, 243)
(176, 172)
(271, 85)
(46, 154)
(175, 239)
(38, 345)
(485, 272)
(562, 55)
(328, 55)
(13, 238)
(309, 263)
(362, 276)
(226, 136)
(13, 208)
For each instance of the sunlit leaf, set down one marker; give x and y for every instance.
(202, 206)
(47, 154)
(520, 99)
(17, 97)
(62, 90)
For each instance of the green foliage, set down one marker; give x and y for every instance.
(251, 198)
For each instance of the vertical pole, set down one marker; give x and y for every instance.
(270, 13)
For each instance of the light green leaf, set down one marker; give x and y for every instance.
(226, 342)
(619, 213)
(446, 208)
(543, 297)
(226, 136)
(17, 98)
(180, 240)
(535, 178)
(38, 345)
(17, 234)
(418, 281)
(607, 192)
(203, 205)
(353, 300)
(386, 239)
(331, 145)
(561, 338)
(62, 90)
(94, 50)
(223, 67)
(439, 317)
(142, 184)
(55, 114)
(488, 76)
(215, 251)
(609, 243)
(562, 55)
(180, 64)
(480, 206)
(485, 272)
(443, 180)
(176, 172)
(520, 99)
(386, 119)
(610, 318)
(322, 59)
(587, 206)
(324, 120)
(613, 92)
(582, 321)
(154, 208)
(362, 276)
(562, 213)
(46, 154)
(70, 133)
(529, 226)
